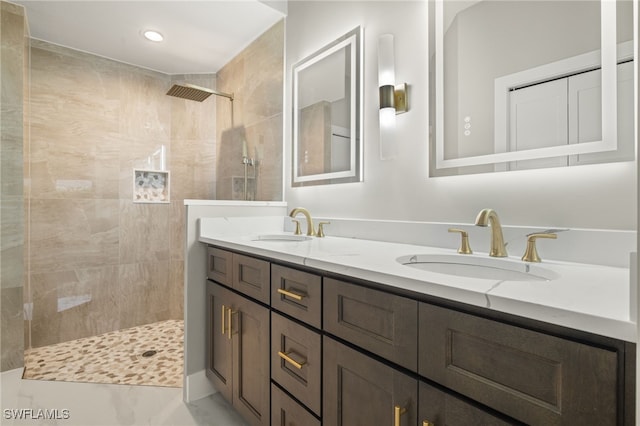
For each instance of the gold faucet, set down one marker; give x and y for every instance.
(490, 217)
(310, 230)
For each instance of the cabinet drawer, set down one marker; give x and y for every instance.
(252, 277)
(377, 321)
(287, 412)
(297, 293)
(296, 357)
(219, 266)
(530, 376)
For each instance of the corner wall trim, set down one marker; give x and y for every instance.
(197, 386)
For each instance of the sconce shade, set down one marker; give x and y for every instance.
(386, 83)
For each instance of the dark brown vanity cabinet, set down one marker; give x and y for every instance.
(238, 348)
(335, 352)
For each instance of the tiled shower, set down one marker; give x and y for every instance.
(95, 261)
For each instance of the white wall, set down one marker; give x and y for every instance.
(598, 196)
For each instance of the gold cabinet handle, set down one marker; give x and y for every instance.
(229, 313)
(427, 423)
(465, 248)
(290, 294)
(531, 253)
(291, 361)
(397, 413)
(224, 308)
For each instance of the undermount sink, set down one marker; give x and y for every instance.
(490, 268)
(281, 237)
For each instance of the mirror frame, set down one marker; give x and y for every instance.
(354, 39)
(609, 100)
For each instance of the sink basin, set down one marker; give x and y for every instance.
(281, 237)
(490, 268)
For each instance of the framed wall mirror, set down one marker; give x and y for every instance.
(327, 114)
(521, 84)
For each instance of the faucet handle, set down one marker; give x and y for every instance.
(531, 253)
(298, 231)
(465, 248)
(320, 232)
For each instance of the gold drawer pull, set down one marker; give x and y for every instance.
(397, 412)
(291, 361)
(427, 423)
(291, 294)
(224, 330)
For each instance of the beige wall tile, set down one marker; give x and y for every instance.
(144, 232)
(144, 293)
(11, 328)
(72, 304)
(73, 234)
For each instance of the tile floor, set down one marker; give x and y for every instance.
(92, 404)
(115, 357)
(94, 382)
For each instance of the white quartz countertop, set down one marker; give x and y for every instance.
(590, 298)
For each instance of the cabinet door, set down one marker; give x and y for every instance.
(382, 323)
(250, 329)
(219, 355)
(441, 408)
(252, 277)
(533, 377)
(359, 390)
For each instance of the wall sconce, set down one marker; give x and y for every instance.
(393, 98)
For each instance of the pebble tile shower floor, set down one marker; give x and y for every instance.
(114, 357)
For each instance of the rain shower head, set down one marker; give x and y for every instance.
(194, 93)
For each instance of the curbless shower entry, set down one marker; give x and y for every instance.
(99, 263)
(150, 354)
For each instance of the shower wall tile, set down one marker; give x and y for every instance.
(72, 304)
(192, 164)
(263, 67)
(176, 289)
(267, 136)
(144, 293)
(177, 228)
(144, 232)
(11, 328)
(80, 168)
(13, 80)
(145, 108)
(73, 234)
(12, 35)
(11, 149)
(255, 76)
(12, 243)
(73, 93)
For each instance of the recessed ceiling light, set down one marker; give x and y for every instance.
(153, 35)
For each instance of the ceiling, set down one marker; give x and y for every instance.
(199, 36)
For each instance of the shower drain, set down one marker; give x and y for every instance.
(147, 354)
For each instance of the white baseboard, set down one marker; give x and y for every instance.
(197, 386)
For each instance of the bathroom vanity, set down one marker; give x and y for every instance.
(299, 334)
